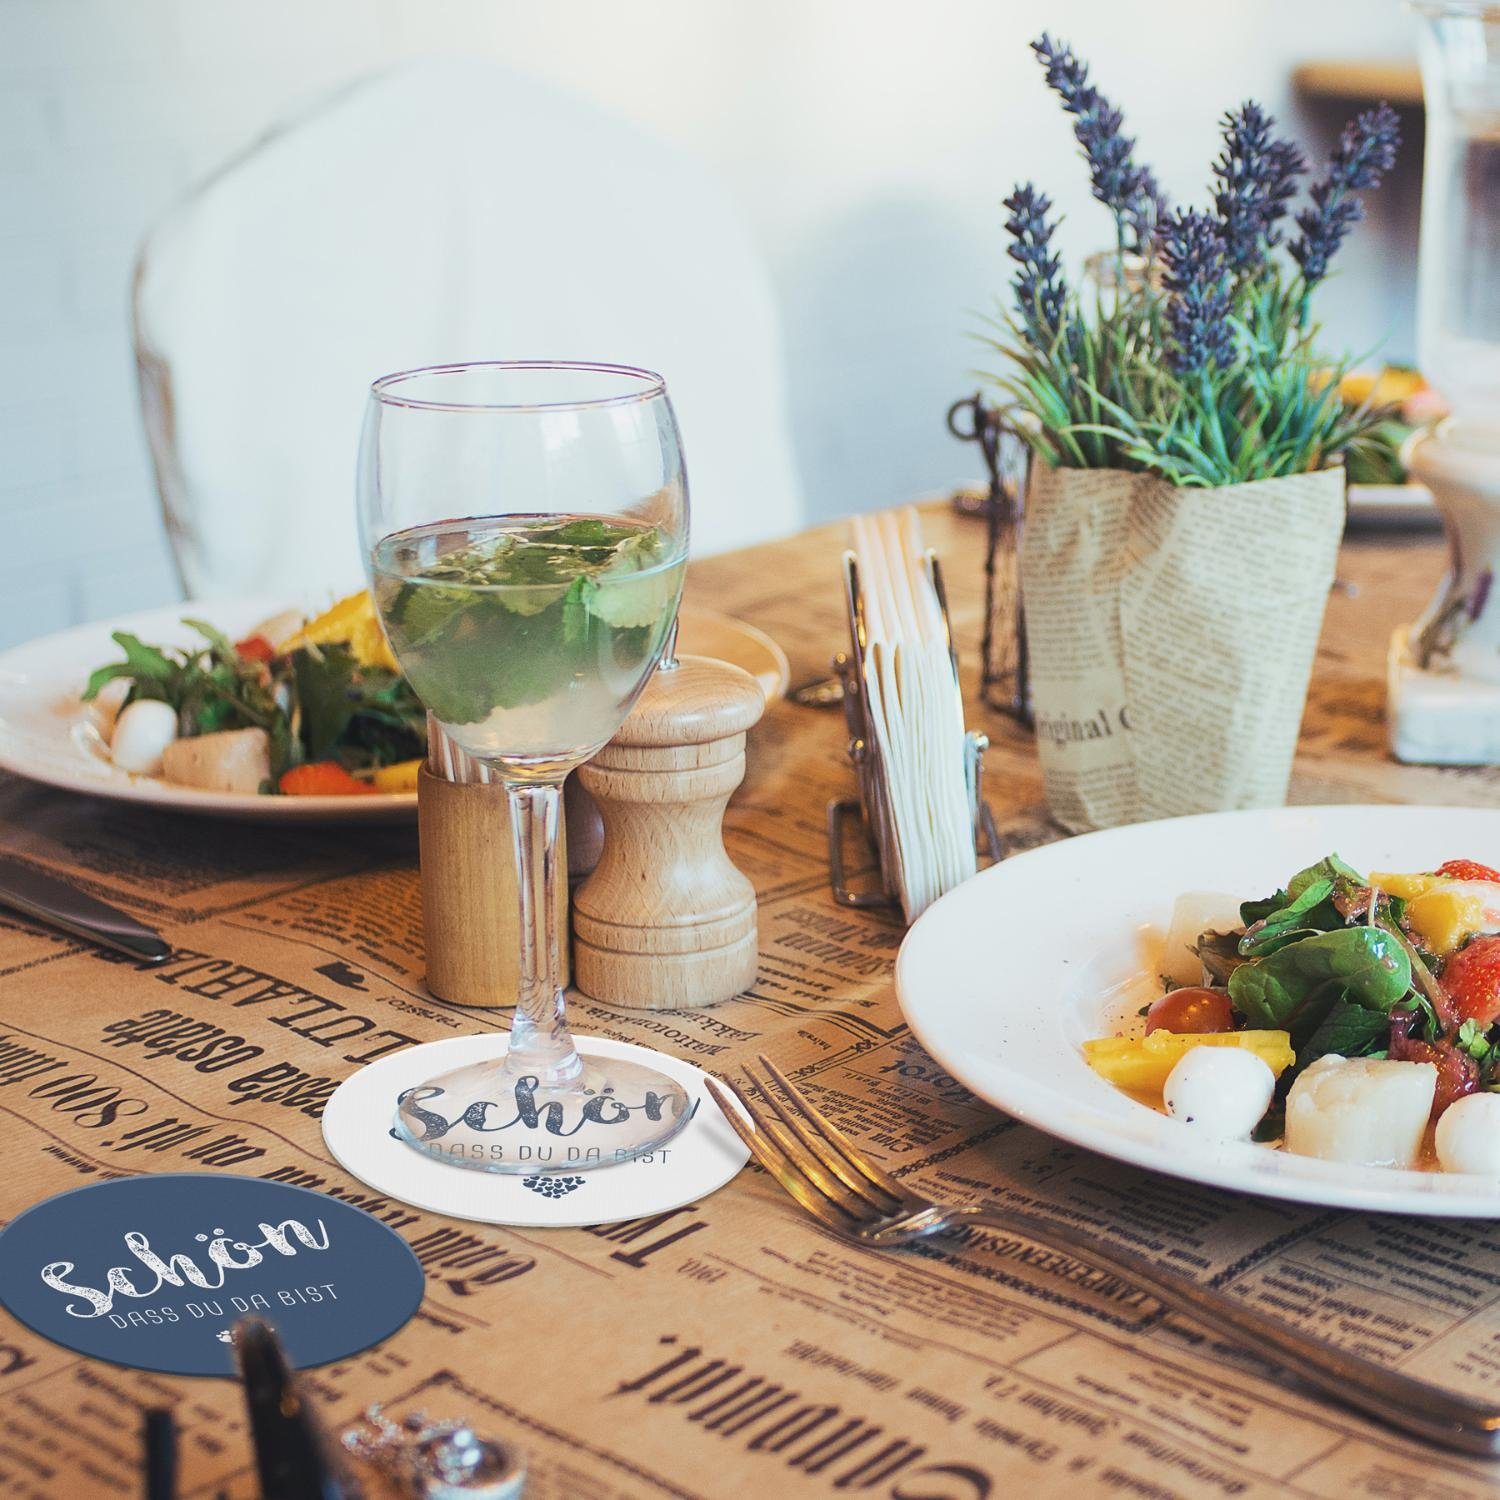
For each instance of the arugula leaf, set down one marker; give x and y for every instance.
(142, 662)
(222, 646)
(1347, 1030)
(1471, 1037)
(1295, 987)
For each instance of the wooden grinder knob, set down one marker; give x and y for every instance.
(666, 921)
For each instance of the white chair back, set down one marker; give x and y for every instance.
(446, 211)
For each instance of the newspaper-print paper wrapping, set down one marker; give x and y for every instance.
(731, 1348)
(1171, 633)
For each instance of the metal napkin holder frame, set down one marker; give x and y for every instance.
(872, 806)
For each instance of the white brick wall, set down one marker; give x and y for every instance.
(870, 140)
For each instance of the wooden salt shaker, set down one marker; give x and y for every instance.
(666, 921)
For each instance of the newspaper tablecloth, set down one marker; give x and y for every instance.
(728, 1348)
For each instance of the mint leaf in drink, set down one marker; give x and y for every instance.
(575, 610)
(535, 630)
(423, 611)
(589, 531)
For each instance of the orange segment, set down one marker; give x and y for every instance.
(1406, 887)
(1444, 918)
(1141, 1064)
(400, 777)
(351, 621)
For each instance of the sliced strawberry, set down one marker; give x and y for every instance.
(1472, 979)
(1467, 869)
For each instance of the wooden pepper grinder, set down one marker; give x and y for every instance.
(666, 921)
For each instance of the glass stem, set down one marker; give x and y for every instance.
(540, 1042)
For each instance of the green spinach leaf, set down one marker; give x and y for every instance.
(325, 680)
(1252, 912)
(1295, 987)
(1298, 917)
(1347, 1030)
(1329, 868)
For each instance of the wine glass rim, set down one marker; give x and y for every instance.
(648, 385)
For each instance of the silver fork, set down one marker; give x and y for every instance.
(849, 1194)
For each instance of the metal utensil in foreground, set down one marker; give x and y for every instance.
(858, 1201)
(437, 1460)
(64, 906)
(295, 1459)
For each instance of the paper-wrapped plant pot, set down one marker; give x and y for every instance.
(1171, 633)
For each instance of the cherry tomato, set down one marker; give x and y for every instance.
(255, 648)
(1194, 1009)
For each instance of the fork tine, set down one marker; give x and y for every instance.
(842, 1146)
(854, 1203)
(825, 1210)
(828, 1159)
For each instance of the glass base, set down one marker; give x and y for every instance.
(494, 1117)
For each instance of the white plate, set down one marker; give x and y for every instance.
(48, 734)
(1005, 977)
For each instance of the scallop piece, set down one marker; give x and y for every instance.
(1221, 1091)
(106, 704)
(1366, 1111)
(1468, 1135)
(1195, 913)
(233, 760)
(143, 732)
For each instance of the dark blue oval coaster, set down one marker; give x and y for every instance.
(152, 1272)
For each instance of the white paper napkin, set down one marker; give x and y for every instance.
(916, 710)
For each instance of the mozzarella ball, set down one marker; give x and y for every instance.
(1195, 913)
(144, 729)
(1222, 1091)
(1468, 1135)
(1367, 1111)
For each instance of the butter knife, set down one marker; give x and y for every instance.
(61, 905)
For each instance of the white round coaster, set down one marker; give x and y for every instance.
(357, 1121)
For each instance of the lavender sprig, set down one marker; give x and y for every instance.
(1128, 190)
(1197, 279)
(1366, 152)
(1256, 177)
(1040, 290)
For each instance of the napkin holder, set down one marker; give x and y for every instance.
(873, 805)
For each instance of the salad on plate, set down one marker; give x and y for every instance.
(294, 708)
(1345, 1016)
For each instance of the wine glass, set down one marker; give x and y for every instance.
(526, 527)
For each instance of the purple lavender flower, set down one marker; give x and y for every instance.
(1196, 274)
(1256, 176)
(1366, 152)
(1039, 286)
(1128, 190)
